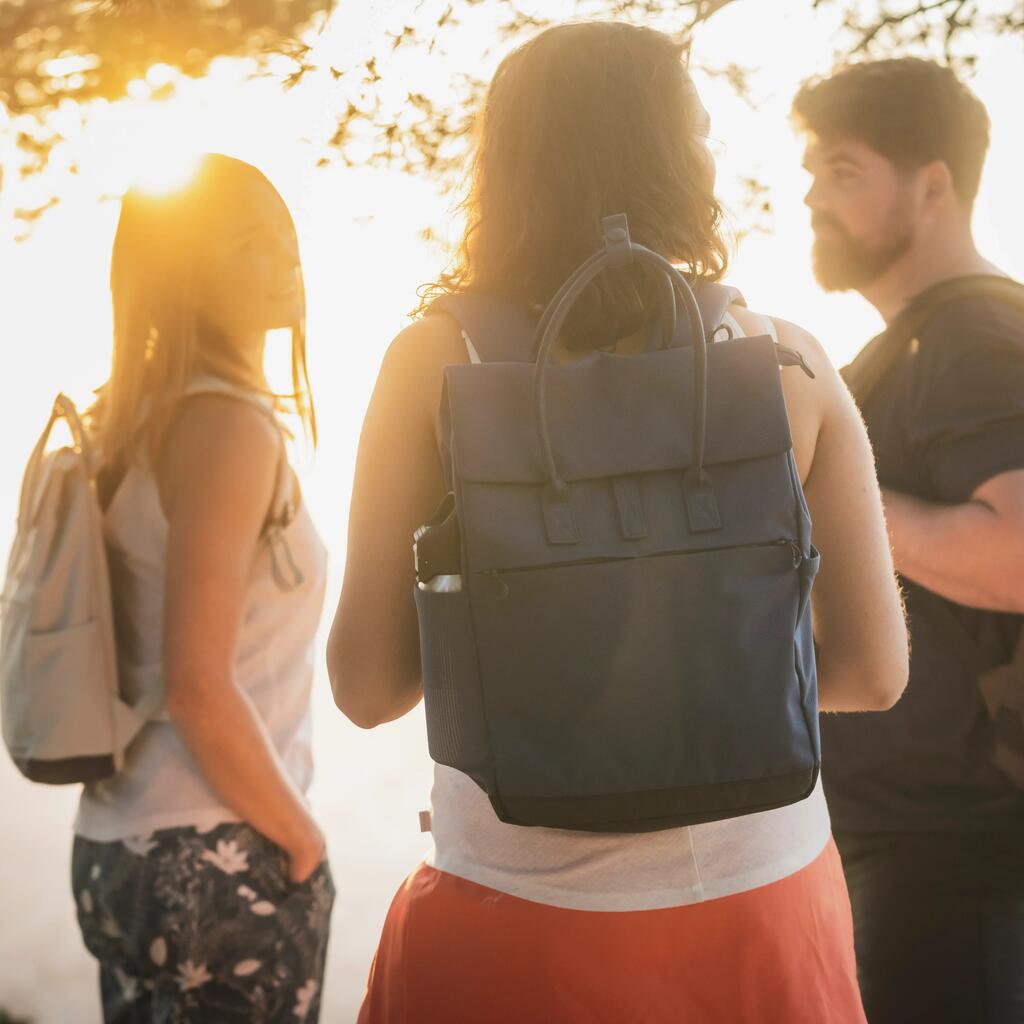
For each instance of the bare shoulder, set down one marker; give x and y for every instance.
(430, 342)
(219, 444)
(827, 390)
(411, 372)
(212, 427)
(809, 402)
(796, 337)
(791, 335)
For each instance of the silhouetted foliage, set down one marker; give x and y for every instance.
(937, 24)
(417, 139)
(52, 51)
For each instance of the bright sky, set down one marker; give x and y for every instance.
(363, 257)
(359, 230)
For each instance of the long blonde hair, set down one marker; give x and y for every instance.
(157, 337)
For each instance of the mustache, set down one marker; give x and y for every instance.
(821, 220)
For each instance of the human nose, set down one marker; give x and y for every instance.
(812, 199)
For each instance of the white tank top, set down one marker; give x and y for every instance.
(160, 785)
(645, 871)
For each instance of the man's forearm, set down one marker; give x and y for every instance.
(965, 553)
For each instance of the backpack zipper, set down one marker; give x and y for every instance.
(497, 574)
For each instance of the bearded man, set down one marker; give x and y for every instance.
(927, 800)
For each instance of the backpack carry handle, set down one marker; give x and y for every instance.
(619, 250)
(617, 255)
(701, 504)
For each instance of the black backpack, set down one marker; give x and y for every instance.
(622, 641)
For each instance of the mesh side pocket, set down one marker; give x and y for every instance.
(805, 657)
(456, 727)
(444, 718)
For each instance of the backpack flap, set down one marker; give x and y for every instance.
(613, 417)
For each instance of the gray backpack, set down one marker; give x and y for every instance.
(614, 597)
(63, 718)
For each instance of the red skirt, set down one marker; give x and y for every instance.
(454, 952)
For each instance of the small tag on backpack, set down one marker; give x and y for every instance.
(424, 821)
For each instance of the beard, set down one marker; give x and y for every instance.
(842, 262)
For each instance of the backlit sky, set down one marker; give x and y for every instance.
(359, 230)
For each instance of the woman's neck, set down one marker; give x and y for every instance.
(238, 360)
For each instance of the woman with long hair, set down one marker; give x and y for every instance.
(745, 919)
(199, 873)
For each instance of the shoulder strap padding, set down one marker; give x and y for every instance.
(63, 408)
(714, 301)
(501, 330)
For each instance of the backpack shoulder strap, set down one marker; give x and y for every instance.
(878, 357)
(495, 330)
(63, 409)
(714, 301)
(501, 330)
(786, 356)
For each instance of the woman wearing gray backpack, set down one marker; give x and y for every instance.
(199, 872)
(615, 586)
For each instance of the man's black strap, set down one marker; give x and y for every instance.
(879, 356)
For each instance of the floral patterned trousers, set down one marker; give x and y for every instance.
(192, 927)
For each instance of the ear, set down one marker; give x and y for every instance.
(938, 183)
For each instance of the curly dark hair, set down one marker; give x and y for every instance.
(909, 110)
(586, 120)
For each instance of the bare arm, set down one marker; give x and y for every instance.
(216, 479)
(971, 553)
(373, 653)
(858, 616)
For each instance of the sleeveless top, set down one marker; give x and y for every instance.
(620, 872)
(160, 785)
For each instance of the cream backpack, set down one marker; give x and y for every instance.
(63, 718)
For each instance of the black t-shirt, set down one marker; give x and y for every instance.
(947, 417)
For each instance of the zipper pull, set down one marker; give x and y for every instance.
(790, 357)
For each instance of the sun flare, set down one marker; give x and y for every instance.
(161, 172)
